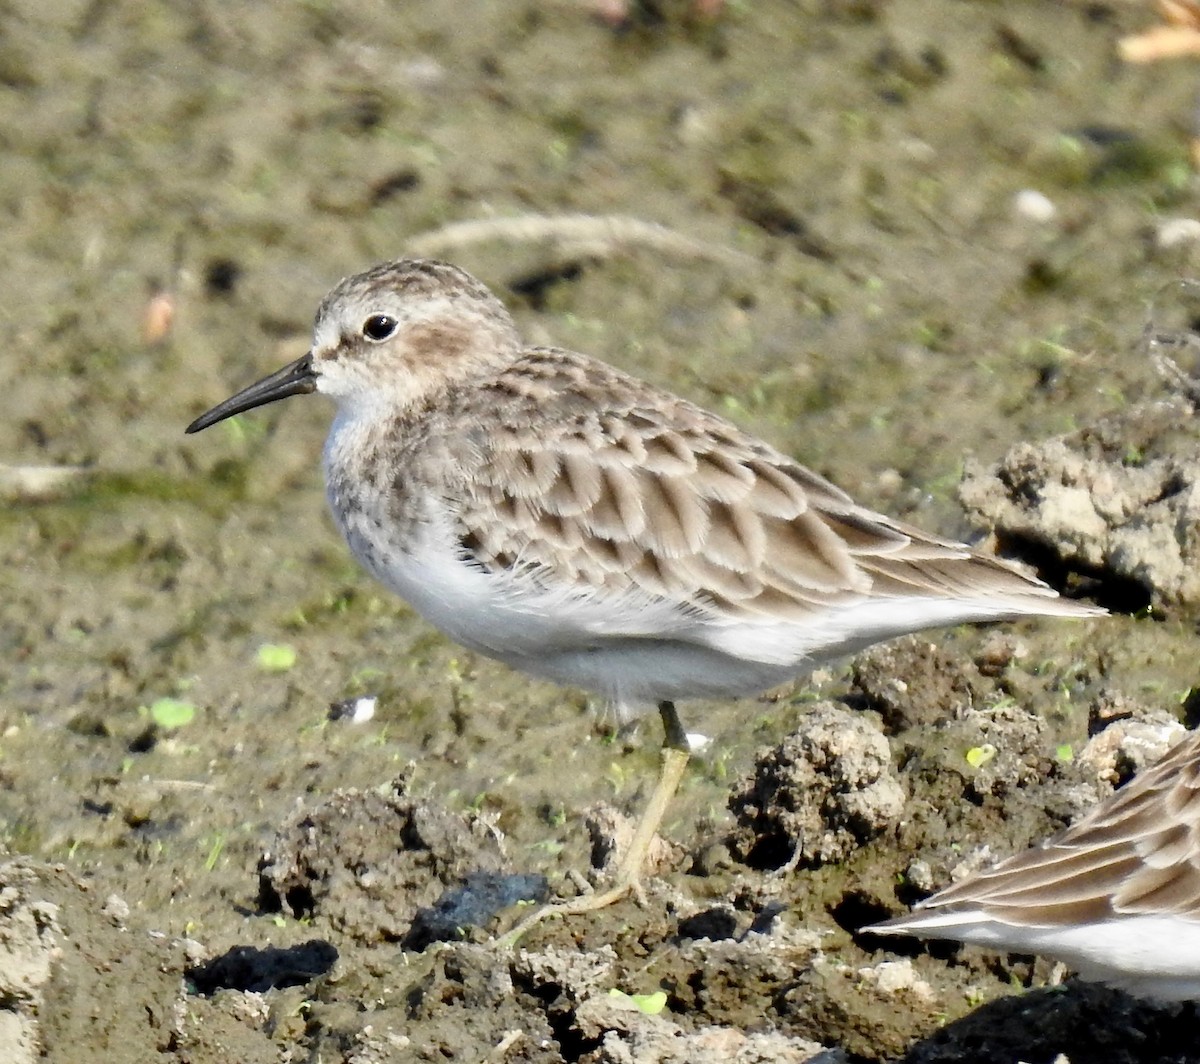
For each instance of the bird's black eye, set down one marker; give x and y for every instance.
(379, 327)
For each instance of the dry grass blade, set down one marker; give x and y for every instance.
(583, 235)
(1179, 37)
(30, 483)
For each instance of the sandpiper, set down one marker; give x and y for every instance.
(545, 509)
(1116, 895)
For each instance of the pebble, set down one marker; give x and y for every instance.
(1176, 232)
(1034, 206)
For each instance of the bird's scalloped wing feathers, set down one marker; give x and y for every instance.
(640, 491)
(1138, 853)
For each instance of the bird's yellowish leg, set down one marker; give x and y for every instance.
(629, 873)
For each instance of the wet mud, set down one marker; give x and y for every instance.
(902, 241)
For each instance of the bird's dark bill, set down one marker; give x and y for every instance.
(296, 378)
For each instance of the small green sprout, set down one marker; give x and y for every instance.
(978, 756)
(650, 1004)
(171, 713)
(276, 657)
(214, 851)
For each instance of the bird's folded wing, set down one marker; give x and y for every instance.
(649, 493)
(1138, 853)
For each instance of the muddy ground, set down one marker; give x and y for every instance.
(865, 280)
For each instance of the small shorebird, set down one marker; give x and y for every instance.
(1116, 895)
(545, 509)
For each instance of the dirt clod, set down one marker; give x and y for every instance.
(824, 790)
(365, 862)
(1120, 499)
(913, 681)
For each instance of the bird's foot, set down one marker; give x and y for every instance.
(584, 903)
